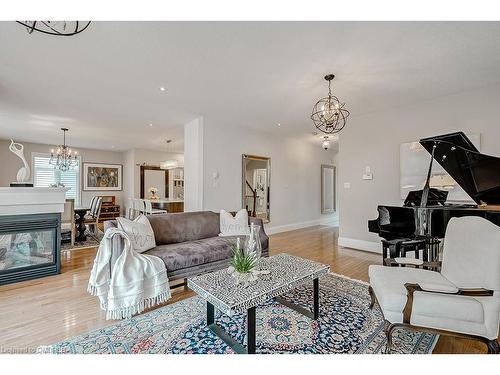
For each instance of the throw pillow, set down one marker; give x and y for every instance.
(234, 226)
(139, 231)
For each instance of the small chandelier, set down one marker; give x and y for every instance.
(59, 28)
(63, 158)
(329, 114)
(170, 163)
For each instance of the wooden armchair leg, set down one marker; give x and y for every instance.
(493, 347)
(389, 329)
(372, 297)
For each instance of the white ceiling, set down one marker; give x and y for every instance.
(104, 83)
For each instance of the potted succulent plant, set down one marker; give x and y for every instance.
(242, 264)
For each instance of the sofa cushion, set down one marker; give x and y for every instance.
(388, 284)
(193, 253)
(236, 225)
(139, 231)
(182, 227)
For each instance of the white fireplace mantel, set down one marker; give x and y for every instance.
(31, 200)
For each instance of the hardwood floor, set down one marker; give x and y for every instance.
(44, 311)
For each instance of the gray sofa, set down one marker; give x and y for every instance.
(189, 242)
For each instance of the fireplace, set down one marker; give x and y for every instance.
(29, 246)
(30, 232)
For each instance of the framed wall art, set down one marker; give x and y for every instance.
(102, 177)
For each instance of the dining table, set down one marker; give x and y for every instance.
(80, 223)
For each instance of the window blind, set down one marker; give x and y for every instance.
(44, 174)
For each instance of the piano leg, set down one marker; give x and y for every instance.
(391, 249)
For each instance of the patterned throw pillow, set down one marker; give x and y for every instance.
(234, 226)
(139, 231)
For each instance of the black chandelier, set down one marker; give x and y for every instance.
(60, 28)
(329, 114)
(63, 158)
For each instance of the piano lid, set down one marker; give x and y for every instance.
(478, 174)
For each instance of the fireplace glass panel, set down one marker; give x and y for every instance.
(26, 249)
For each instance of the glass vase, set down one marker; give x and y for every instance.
(252, 242)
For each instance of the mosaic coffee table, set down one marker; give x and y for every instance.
(221, 292)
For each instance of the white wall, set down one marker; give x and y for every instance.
(128, 175)
(10, 164)
(193, 165)
(373, 140)
(295, 174)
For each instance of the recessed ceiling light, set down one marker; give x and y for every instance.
(151, 125)
(162, 88)
(279, 124)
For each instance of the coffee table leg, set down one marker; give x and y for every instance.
(316, 298)
(224, 336)
(251, 333)
(310, 314)
(210, 314)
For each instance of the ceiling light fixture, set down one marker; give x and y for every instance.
(169, 163)
(328, 114)
(58, 28)
(326, 143)
(63, 158)
(151, 125)
(162, 88)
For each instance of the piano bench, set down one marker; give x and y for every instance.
(400, 247)
(415, 246)
(417, 263)
(391, 248)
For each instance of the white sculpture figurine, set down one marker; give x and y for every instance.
(23, 174)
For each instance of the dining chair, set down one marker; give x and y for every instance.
(92, 204)
(149, 210)
(92, 219)
(139, 206)
(68, 220)
(130, 209)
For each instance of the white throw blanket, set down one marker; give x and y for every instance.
(133, 283)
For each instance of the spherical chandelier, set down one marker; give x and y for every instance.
(328, 114)
(59, 28)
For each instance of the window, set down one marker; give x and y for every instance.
(44, 174)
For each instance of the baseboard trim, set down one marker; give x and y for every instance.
(288, 227)
(372, 247)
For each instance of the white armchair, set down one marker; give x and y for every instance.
(462, 300)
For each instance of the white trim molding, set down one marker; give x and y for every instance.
(373, 247)
(331, 221)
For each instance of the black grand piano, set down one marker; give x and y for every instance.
(426, 212)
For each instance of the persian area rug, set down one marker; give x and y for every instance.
(93, 240)
(346, 325)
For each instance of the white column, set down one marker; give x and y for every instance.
(193, 165)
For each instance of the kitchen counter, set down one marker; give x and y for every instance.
(169, 204)
(166, 200)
